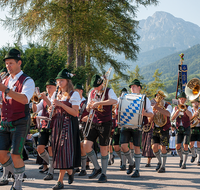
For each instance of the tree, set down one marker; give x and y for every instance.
(115, 84)
(157, 84)
(99, 29)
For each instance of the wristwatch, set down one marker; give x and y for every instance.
(7, 91)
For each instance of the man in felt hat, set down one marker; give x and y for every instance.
(183, 114)
(45, 134)
(17, 91)
(101, 125)
(161, 130)
(195, 131)
(136, 134)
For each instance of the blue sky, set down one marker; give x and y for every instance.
(185, 9)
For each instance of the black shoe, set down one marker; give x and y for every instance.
(193, 159)
(59, 185)
(158, 166)
(123, 167)
(109, 162)
(198, 163)
(77, 170)
(71, 179)
(183, 166)
(24, 175)
(130, 169)
(82, 173)
(48, 177)
(41, 167)
(87, 167)
(102, 178)
(4, 182)
(161, 170)
(180, 164)
(45, 171)
(148, 165)
(136, 174)
(95, 173)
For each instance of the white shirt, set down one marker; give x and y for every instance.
(27, 89)
(111, 95)
(75, 99)
(40, 105)
(181, 113)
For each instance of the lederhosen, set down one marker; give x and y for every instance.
(15, 120)
(195, 133)
(161, 134)
(102, 122)
(65, 139)
(45, 134)
(133, 135)
(183, 132)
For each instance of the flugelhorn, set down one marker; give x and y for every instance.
(192, 89)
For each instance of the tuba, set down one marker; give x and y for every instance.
(160, 119)
(192, 89)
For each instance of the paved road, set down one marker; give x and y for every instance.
(174, 178)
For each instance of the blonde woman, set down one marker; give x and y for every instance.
(65, 131)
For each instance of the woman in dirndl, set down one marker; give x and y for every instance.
(65, 129)
(146, 146)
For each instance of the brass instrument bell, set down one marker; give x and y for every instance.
(192, 89)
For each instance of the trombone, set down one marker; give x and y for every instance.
(100, 108)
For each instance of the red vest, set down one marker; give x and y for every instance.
(168, 124)
(106, 115)
(185, 120)
(11, 109)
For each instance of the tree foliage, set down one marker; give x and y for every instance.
(157, 84)
(93, 28)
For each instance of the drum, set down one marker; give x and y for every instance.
(130, 111)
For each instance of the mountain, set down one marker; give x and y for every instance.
(164, 30)
(145, 58)
(169, 67)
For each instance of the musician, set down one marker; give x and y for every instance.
(82, 109)
(195, 132)
(161, 130)
(182, 116)
(101, 126)
(116, 139)
(45, 134)
(65, 129)
(136, 134)
(17, 91)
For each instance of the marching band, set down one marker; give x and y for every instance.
(70, 125)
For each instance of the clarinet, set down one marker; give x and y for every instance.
(53, 107)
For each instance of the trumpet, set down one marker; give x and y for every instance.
(35, 98)
(182, 107)
(48, 119)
